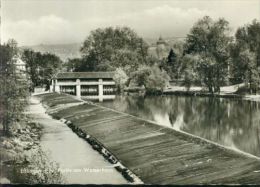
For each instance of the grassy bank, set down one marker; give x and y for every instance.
(234, 91)
(14, 150)
(22, 159)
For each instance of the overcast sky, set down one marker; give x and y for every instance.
(33, 22)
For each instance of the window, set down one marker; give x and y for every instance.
(109, 90)
(89, 90)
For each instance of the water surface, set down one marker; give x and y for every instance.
(231, 122)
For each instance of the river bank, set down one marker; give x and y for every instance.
(14, 149)
(62, 156)
(78, 162)
(225, 92)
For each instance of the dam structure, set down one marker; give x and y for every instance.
(155, 154)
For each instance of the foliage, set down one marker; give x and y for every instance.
(190, 70)
(39, 170)
(172, 57)
(41, 67)
(173, 63)
(74, 64)
(110, 48)
(250, 70)
(212, 74)
(141, 75)
(120, 79)
(153, 78)
(209, 39)
(245, 54)
(13, 89)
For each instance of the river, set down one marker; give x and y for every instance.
(78, 162)
(234, 123)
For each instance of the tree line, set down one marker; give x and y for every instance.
(121, 50)
(209, 57)
(13, 88)
(41, 67)
(212, 58)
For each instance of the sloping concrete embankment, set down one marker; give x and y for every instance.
(155, 154)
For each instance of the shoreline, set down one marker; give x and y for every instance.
(86, 149)
(225, 92)
(247, 97)
(198, 93)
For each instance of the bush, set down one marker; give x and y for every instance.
(153, 78)
(120, 79)
(36, 169)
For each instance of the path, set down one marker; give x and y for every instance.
(80, 164)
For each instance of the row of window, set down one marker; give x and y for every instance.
(83, 80)
(89, 90)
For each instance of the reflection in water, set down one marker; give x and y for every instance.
(230, 122)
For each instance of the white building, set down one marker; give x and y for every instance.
(88, 85)
(20, 66)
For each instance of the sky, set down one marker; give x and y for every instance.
(33, 22)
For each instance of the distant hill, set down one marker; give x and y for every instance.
(64, 51)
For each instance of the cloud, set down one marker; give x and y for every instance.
(162, 20)
(46, 29)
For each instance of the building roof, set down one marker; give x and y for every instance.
(160, 41)
(84, 75)
(19, 62)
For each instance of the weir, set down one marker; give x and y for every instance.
(157, 154)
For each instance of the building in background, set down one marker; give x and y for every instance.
(162, 48)
(86, 85)
(20, 66)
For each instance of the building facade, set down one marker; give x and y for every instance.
(162, 48)
(86, 85)
(20, 66)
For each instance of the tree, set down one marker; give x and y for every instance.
(13, 89)
(172, 57)
(120, 79)
(209, 39)
(190, 70)
(245, 54)
(74, 64)
(141, 75)
(171, 64)
(113, 47)
(41, 67)
(153, 78)
(48, 67)
(251, 75)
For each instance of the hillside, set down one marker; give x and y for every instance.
(64, 51)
